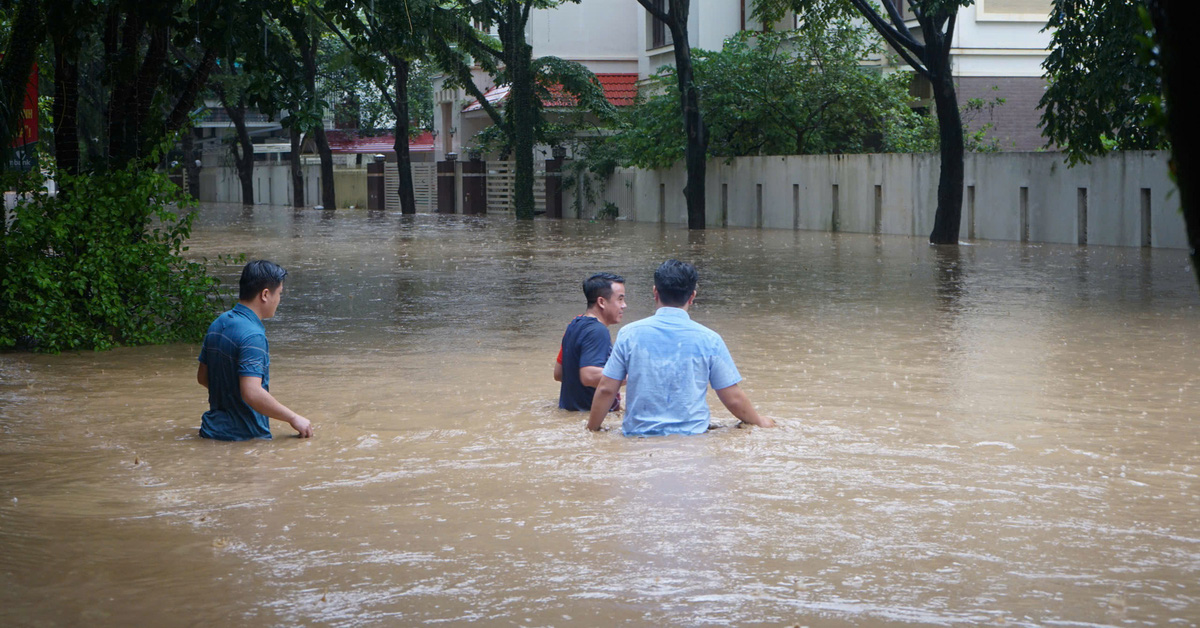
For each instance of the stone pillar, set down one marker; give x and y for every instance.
(375, 189)
(474, 186)
(447, 194)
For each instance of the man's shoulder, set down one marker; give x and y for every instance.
(705, 331)
(236, 328)
(584, 325)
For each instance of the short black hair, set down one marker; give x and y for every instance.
(676, 281)
(257, 276)
(600, 285)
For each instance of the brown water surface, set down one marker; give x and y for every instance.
(1001, 435)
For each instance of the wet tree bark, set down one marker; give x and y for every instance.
(309, 53)
(243, 159)
(522, 109)
(948, 219)
(408, 201)
(297, 172)
(1169, 17)
(931, 59)
(696, 150)
(66, 110)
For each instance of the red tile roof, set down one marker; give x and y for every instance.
(619, 89)
(350, 142)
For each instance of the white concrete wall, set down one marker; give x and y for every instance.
(272, 184)
(797, 192)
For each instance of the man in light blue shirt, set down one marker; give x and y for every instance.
(670, 361)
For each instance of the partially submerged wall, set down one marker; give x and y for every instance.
(1124, 199)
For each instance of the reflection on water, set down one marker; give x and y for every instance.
(996, 434)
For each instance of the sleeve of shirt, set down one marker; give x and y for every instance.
(203, 354)
(721, 372)
(594, 346)
(617, 366)
(252, 356)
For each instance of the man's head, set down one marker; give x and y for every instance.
(605, 293)
(675, 282)
(261, 286)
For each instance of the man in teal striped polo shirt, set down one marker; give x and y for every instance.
(235, 363)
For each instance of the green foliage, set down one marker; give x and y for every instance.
(800, 92)
(1104, 87)
(915, 132)
(556, 79)
(100, 264)
(610, 211)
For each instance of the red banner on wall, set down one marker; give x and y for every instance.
(23, 156)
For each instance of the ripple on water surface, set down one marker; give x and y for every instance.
(1002, 434)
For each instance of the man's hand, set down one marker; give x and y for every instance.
(739, 405)
(606, 392)
(302, 425)
(258, 398)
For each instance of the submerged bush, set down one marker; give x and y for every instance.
(101, 264)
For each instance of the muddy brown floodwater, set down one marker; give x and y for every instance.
(1002, 435)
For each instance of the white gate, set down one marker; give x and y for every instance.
(501, 176)
(424, 186)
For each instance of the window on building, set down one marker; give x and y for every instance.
(660, 35)
(1015, 7)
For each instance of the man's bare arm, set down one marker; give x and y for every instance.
(558, 371)
(258, 398)
(739, 405)
(606, 389)
(590, 375)
(202, 375)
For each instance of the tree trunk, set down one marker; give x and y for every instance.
(122, 103)
(408, 201)
(522, 108)
(244, 162)
(696, 151)
(327, 196)
(297, 172)
(66, 110)
(187, 99)
(948, 218)
(308, 52)
(1173, 37)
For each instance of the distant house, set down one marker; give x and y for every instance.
(997, 43)
(600, 34)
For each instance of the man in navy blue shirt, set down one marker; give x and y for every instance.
(235, 363)
(586, 343)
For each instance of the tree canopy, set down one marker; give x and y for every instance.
(1103, 87)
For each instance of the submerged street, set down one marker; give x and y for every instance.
(1003, 434)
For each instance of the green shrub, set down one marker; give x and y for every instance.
(100, 264)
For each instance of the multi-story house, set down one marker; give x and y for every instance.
(999, 46)
(600, 34)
